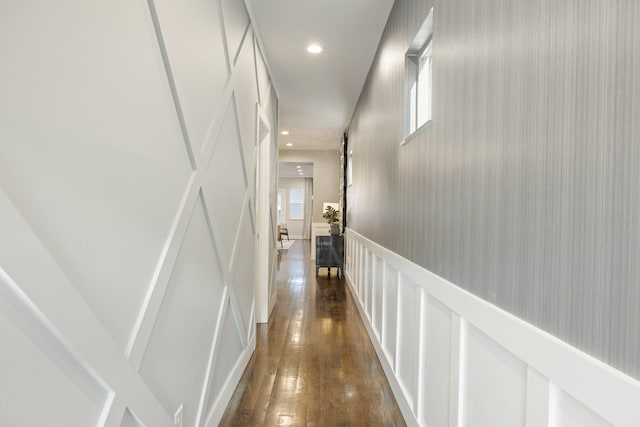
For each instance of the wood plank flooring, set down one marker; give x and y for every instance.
(314, 364)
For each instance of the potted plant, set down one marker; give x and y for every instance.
(331, 216)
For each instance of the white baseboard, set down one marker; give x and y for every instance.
(450, 356)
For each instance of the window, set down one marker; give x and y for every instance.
(296, 203)
(419, 76)
(424, 81)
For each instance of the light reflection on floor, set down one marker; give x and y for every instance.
(316, 365)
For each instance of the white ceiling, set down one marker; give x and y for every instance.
(318, 93)
(291, 170)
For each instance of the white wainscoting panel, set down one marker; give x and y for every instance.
(362, 271)
(435, 362)
(377, 283)
(568, 412)
(368, 285)
(389, 313)
(494, 383)
(408, 350)
(455, 360)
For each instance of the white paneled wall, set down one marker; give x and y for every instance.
(453, 359)
(127, 209)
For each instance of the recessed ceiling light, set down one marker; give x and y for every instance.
(289, 144)
(299, 167)
(314, 48)
(301, 173)
(285, 132)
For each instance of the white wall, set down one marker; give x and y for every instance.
(326, 174)
(453, 359)
(127, 169)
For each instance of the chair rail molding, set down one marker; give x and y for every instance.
(443, 349)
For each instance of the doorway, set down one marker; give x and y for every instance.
(295, 193)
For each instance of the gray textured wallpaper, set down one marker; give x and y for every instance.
(525, 188)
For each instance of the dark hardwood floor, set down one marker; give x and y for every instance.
(314, 364)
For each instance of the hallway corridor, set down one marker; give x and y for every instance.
(314, 364)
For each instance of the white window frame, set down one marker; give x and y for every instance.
(291, 217)
(419, 88)
(424, 83)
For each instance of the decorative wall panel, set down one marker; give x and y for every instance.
(225, 181)
(127, 177)
(175, 363)
(389, 312)
(571, 413)
(225, 360)
(91, 154)
(128, 420)
(492, 378)
(31, 379)
(200, 71)
(377, 283)
(408, 337)
(244, 269)
(436, 362)
(246, 97)
(236, 22)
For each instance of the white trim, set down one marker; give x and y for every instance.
(606, 392)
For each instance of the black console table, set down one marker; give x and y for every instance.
(330, 253)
